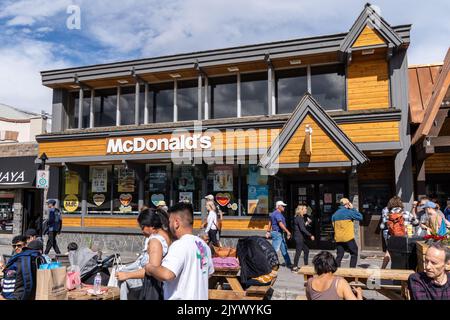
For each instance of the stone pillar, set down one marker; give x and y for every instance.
(353, 191)
(18, 212)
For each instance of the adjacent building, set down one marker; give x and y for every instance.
(304, 120)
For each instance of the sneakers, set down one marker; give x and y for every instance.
(295, 269)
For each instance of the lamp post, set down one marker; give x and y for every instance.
(43, 159)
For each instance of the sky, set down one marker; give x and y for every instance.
(37, 35)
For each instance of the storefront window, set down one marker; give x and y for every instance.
(254, 94)
(99, 190)
(187, 100)
(127, 105)
(74, 107)
(162, 102)
(291, 85)
(255, 196)
(6, 211)
(125, 191)
(328, 86)
(142, 106)
(157, 187)
(222, 182)
(223, 97)
(71, 200)
(105, 105)
(187, 184)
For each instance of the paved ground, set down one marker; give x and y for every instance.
(289, 285)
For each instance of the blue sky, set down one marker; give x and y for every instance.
(35, 37)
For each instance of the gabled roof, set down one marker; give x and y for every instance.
(440, 89)
(12, 113)
(370, 17)
(308, 105)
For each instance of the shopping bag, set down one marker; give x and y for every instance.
(117, 264)
(51, 284)
(73, 279)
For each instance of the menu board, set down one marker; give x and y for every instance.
(223, 178)
(72, 182)
(99, 179)
(125, 180)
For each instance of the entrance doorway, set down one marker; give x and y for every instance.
(32, 210)
(322, 199)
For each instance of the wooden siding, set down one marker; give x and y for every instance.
(324, 149)
(115, 222)
(438, 163)
(368, 84)
(368, 37)
(358, 132)
(377, 169)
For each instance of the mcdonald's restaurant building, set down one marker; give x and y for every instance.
(305, 120)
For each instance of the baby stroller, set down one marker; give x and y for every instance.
(90, 263)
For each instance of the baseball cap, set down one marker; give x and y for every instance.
(51, 201)
(209, 197)
(30, 233)
(429, 204)
(280, 203)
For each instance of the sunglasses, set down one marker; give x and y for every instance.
(17, 246)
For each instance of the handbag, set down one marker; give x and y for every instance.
(73, 279)
(117, 263)
(51, 284)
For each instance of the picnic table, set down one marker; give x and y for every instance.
(367, 278)
(112, 293)
(223, 277)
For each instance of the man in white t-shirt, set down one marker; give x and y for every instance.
(188, 264)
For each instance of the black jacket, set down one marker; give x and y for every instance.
(256, 257)
(300, 230)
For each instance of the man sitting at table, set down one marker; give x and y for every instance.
(188, 264)
(434, 283)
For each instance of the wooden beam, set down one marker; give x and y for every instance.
(439, 141)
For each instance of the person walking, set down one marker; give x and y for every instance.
(300, 233)
(211, 226)
(277, 225)
(344, 231)
(54, 226)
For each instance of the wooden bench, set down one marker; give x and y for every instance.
(360, 277)
(260, 292)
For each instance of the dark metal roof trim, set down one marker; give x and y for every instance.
(308, 105)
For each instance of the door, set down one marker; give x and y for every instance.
(322, 199)
(374, 197)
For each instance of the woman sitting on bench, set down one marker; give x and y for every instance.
(327, 286)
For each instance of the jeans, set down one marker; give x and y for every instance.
(278, 242)
(300, 246)
(212, 235)
(349, 246)
(51, 242)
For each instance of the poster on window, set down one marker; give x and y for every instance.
(186, 196)
(223, 178)
(126, 180)
(328, 198)
(255, 177)
(99, 179)
(186, 180)
(157, 180)
(72, 182)
(258, 199)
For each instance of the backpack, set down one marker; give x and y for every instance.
(58, 220)
(396, 224)
(19, 282)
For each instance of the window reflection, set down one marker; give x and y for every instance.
(127, 105)
(328, 86)
(291, 85)
(187, 100)
(74, 105)
(105, 104)
(223, 97)
(162, 102)
(254, 94)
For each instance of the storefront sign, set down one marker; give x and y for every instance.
(141, 144)
(98, 199)
(99, 179)
(43, 177)
(17, 172)
(71, 203)
(223, 178)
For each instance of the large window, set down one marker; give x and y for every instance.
(223, 97)
(291, 85)
(187, 100)
(105, 104)
(74, 107)
(254, 94)
(127, 105)
(187, 183)
(99, 190)
(328, 86)
(161, 99)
